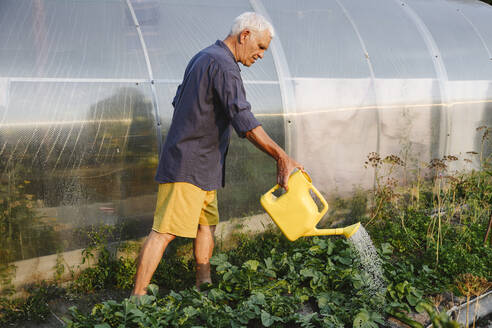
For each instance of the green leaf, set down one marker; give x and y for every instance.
(218, 259)
(357, 281)
(102, 325)
(417, 292)
(400, 288)
(251, 265)
(330, 248)
(314, 249)
(307, 272)
(190, 311)
(144, 300)
(266, 319)
(153, 289)
(361, 319)
(175, 295)
(323, 299)
(345, 260)
(386, 249)
(269, 263)
(412, 300)
(258, 298)
(420, 307)
(137, 313)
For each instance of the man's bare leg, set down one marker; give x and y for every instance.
(203, 248)
(149, 258)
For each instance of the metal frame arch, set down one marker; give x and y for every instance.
(151, 75)
(286, 85)
(371, 70)
(476, 31)
(440, 69)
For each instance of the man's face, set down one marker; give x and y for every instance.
(253, 45)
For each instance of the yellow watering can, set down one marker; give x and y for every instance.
(296, 213)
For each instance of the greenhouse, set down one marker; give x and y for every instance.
(346, 87)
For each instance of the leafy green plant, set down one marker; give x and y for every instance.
(100, 274)
(24, 235)
(7, 272)
(33, 308)
(59, 268)
(366, 319)
(318, 274)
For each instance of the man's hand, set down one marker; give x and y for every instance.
(285, 164)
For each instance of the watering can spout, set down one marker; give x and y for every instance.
(346, 231)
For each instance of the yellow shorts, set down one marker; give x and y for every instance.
(181, 206)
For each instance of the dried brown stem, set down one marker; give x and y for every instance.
(487, 233)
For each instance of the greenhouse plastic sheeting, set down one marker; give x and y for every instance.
(70, 39)
(86, 90)
(74, 155)
(176, 30)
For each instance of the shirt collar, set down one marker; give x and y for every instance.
(228, 51)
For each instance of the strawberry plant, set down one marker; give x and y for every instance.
(309, 283)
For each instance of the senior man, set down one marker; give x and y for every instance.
(208, 102)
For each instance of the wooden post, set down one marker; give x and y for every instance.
(487, 233)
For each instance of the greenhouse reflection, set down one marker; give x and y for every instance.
(75, 172)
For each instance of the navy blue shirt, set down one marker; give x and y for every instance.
(208, 102)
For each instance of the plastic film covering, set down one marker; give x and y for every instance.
(175, 30)
(332, 84)
(74, 156)
(473, 96)
(70, 39)
(457, 42)
(466, 56)
(478, 15)
(310, 32)
(406, 84)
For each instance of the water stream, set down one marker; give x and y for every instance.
(361, 243)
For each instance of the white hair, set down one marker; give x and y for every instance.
(252, 21)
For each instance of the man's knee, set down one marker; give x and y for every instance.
(206, 228)
(161, 237)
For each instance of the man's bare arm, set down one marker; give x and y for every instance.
(285, 164)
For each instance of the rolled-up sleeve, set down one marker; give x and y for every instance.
(230, 90)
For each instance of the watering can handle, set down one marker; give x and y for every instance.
(271, 191)
(277, 186)
(321, 199)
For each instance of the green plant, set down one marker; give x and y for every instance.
(59, 268)
(444, 214)
(98, 275)
(24, 235)
(438, 320)
(33, 308)
(265, 281)
(7, 272)
(385, 195)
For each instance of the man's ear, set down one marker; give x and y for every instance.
(244, 35)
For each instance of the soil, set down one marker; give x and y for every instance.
(59, 307)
